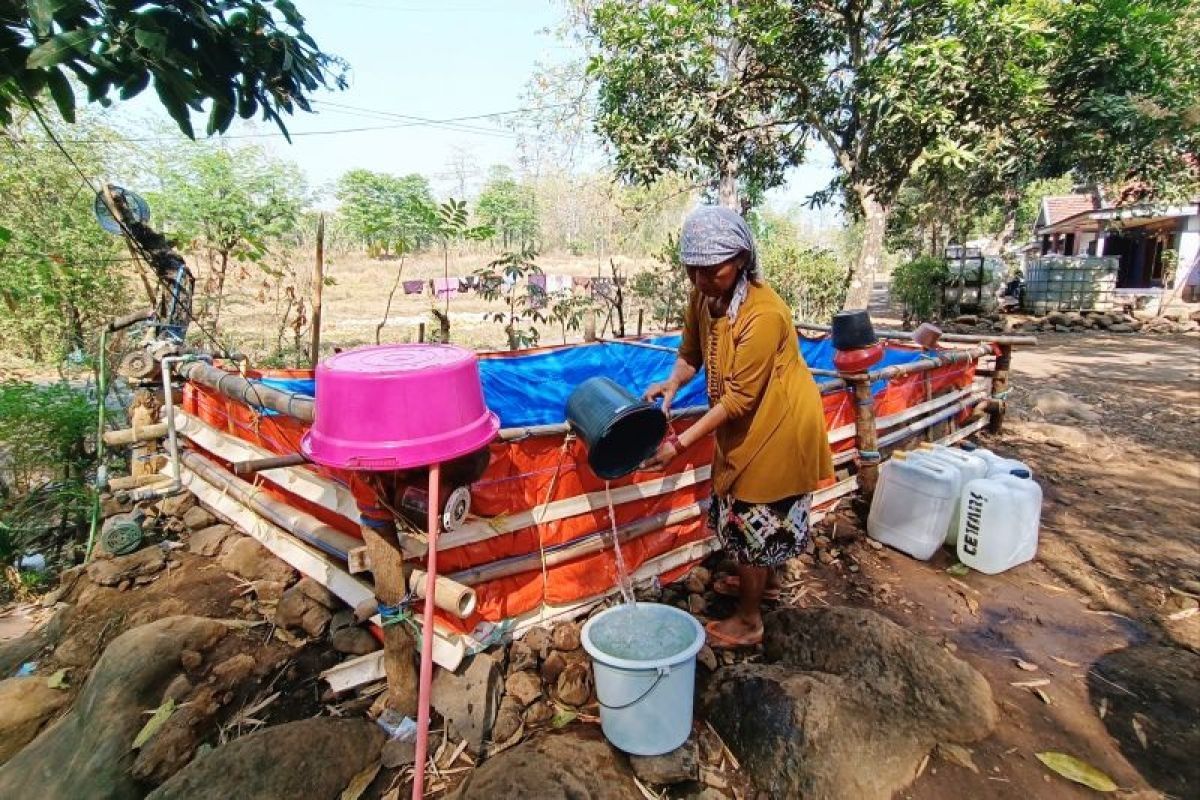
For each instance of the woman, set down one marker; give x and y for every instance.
(766, 411)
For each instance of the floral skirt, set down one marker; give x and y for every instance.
(762, 534)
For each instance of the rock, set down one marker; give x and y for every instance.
(707, 657)
(234, 670)
(310, 758)
(524, 687)
(178, 689)
(697, 580)
(317, 593)
(1062, 329)
(341, 619)
(966, 319)
(26, 704)
(268, 591)
(679, 765)
(208, 541)
(538, 640)
(354, 641)
(87, 753)
(297, 609)
(573, 764)
(248, 559)
(1121, 327)
(177, 505)
(574, 685)
(190, 660)
(552, 667)
(398, 754)
(844, 687)
(521, 657)
(508, 720)
(696, 604)
(15, 652)
(198, 518)
(112, 571)
(469, 700)
(539, 713)
(565, 636)
(1052, 401)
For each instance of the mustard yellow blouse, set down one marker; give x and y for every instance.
(774, 444)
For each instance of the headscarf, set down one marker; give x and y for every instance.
(712, 235)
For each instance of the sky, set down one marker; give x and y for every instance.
(437, 60)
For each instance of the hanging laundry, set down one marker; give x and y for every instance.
(444, 287)
(539, 280)
(558, 283)
(467, 284)
(602, 287)
(414, 287)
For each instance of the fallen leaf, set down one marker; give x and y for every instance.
(563, 717)
(1103, 710)
(959, 570)
(1045, 698)
(1078, 771)
(59, 679)
(1184, 614)
(1065, 663)
(1031, 684)
(160, 716)
(921, 767)
(646, 792)
(1140, 732)
(957, 754)
(1025, 665)
(359, 783)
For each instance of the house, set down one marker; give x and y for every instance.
(1140, 236)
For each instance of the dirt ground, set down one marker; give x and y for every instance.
(1104, 618)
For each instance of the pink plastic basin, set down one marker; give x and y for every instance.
(398, 406)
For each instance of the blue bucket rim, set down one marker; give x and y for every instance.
(604, 658)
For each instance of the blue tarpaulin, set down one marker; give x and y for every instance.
(532, 389)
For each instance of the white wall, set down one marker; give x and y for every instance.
(1188, 246)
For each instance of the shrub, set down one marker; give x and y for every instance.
(917, 285)
(664, 289)
(811, 280)
(45, 467)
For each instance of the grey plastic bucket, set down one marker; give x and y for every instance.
(645, 706)
(620, 430)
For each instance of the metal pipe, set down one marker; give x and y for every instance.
(176, 484)
(426, 682)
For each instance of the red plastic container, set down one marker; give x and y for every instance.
(858, 360)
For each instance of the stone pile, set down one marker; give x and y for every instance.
(1114, 321)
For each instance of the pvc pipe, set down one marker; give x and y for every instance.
(426, 682)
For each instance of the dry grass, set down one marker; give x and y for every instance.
(354, 304)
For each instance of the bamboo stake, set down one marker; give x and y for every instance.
(965, 338)
(399, 641)
(1000, 388)
(314, 351)
(124, 484)
(942, 359)
(271, 462)
(866, 438)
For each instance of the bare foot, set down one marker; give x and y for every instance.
(737, 630)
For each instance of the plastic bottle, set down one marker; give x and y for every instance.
(998, 527)
(913, 503)
(970, 467)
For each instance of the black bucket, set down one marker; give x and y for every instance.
(852, 330)
(620, 430)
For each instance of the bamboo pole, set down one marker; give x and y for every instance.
(1000, 389)
(448, 596)
(908, 431)
(271, 462)
(318, 286)
(399, 641)
(964, 338)
(942, 359)
(128, 436)
(124, 484)
(236, 387)
(866, 439)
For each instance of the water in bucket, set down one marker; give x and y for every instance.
(639, 635)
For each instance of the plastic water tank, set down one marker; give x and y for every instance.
(970, 467)
(913, 503)
(998, 527)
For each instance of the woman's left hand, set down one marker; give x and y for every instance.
(666, 453)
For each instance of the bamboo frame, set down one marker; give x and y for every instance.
(963, 338)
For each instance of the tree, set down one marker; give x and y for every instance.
(502, 280)
(743, 86)
(387, 213)
(232, 205)
(509, 208)
(246, 56)
(61, 276)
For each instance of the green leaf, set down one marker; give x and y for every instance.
(156, 721)
(153, 41)
(174, 105)
(5, 235)
(59, 679)
(41, 12)
(958, 570)
(61, 91)
(563, 717)
(1078, 771)
(59, 48)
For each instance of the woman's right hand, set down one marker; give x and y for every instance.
(664, 389)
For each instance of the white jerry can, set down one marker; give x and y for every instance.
(913, 503)
(997, 464)
(970, 467)
(998, 525)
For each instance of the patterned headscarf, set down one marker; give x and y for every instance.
(714, 234)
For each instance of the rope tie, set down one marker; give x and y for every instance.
(399, 614)
(1001, 395)
(870, 456)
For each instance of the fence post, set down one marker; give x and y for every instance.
(318, 285)
(866, 439)
(999, 401)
